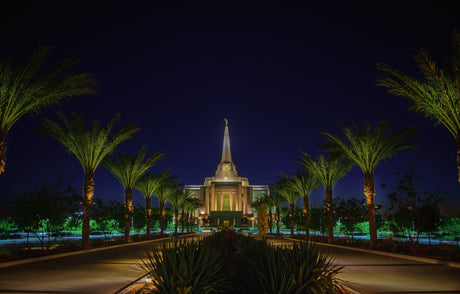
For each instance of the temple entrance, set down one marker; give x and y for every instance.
(226, 219)
(226, 224)
(226, 206)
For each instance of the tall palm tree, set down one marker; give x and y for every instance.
(275, 200)
(329, 172)
(147, 185)
(269, 205)
(437, 95)
(262, 218)
(177, 199)
(26, 88)
(291, 196)
(366, 148)
(191, 205)
(90, 146)
(127, 168)
(304, 183)
(187, 197)
(168, 185)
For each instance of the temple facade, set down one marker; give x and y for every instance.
(226, 197)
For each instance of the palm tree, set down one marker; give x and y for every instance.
(167, 186)
(329, 172)
(262, 217)
(304, 183)
(437, 95)
(177, 199)
(147, 185)
(291, 196)
(90, 146)
(275, 200)
(127, 168)
(187, 197)
(27, 89)
(269, 205)
(191, 205)
(366, 148)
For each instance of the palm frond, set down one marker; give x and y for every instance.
(366, 147)
(437, 96)
(127, 168)
(89, 145)
(26, 88)
(327, 171)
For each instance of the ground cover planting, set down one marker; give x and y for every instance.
(228, 262)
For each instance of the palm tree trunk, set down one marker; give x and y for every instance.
(2, 153)
(277, 220)
(369, 191)
(148, 214)
(176, 216)
(270, 220)
(458, 158)
(306, 213)
(88, 193)
(182, 221)
(291, 214)
(128, 212)
(162, 217)
(330, 217)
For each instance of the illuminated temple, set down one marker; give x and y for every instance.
(226, 197)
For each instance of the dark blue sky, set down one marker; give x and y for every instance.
(279, 74)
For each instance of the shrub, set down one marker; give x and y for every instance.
(227, 262)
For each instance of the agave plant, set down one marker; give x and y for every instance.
(194, 267)
(304, 268)
(227, 262)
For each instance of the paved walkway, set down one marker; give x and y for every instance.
(109, 270)
(393, 273)
(102, 271)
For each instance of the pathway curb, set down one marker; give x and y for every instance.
(409, 257)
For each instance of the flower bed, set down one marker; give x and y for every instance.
(16, 252)
(441, 251)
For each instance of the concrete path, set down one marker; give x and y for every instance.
(393, 273)
(109, 270)
(102, 271)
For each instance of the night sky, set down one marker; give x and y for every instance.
(280, 74)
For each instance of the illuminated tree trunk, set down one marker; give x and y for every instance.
(306, 213)
(270, 220)
(291, 214)
(262, 220)
(128, 212)
(162, 216)
(88, 193)
(369, 191)
(182, 221)
(277, 220)
(176, 216)
(458, 159)
(2, 153)
(148, 214)
(330, 216)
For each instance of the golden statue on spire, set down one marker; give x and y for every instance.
(226, 122)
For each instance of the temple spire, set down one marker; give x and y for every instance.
(226, 152)
(226, 168)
